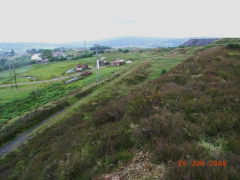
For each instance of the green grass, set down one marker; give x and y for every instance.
(44, 71)
(5, 75)
(225, 41)
(160, 64)
(132, 55)
(55, 69)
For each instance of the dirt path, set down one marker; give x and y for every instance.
(24, 137)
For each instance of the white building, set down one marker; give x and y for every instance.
(37, 57)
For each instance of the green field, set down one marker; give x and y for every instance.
(45, 71)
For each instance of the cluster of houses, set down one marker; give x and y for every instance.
(118, 62)
(37, 57)
(102, 62)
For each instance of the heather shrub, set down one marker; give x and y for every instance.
(111, 112)
(111, 138)
(139, 107)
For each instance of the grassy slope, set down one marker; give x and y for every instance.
(5, 76)
(227, 41)
(189, 113)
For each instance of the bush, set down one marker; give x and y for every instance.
(83, 56)
(139, 107)
(165, 151)
(112, 112)
(111, 138)
(163, 71)
(233, 46)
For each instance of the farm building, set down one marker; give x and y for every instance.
(36, 57)
(117, 62)
(82, 67)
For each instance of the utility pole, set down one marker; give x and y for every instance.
(97, 62)
(15, 77)
(10, 73)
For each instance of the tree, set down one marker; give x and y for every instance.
(100, 48)
(12, 53)
(46, 53)
(3, 61)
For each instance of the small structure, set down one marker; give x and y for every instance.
(82, 67)
(36, 57)
(117, 62)
(103, 58)
(44, 60)
(104, 63)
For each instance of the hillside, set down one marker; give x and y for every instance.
(225, 41)
(140, 127)
(144, 42)
(198, 42)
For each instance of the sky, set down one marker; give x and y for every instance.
(84, 20)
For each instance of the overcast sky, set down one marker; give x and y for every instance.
(83, 20)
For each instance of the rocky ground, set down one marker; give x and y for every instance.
(140, 167)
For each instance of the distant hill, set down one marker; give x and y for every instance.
(199, 42)
(145, 42)
(23, 46)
